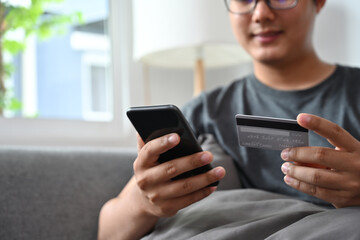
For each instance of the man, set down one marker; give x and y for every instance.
(289, 78)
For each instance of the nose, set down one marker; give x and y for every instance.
(262, 12)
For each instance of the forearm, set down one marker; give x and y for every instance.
(122, 218)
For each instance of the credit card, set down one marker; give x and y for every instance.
(270, 133)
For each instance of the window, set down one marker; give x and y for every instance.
(53, 79)
(88, 107)
(82, 102)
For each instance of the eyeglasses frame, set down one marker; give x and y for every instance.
(256, 2)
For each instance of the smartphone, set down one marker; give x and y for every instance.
(155, 121)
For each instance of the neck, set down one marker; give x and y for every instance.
(303, 73)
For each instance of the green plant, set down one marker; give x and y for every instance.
(30, 19)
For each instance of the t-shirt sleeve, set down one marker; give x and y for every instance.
(193, 112)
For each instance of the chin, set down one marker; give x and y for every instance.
(268, 57)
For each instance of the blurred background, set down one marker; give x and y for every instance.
(71, 68)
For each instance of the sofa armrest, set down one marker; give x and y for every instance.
(57, 193)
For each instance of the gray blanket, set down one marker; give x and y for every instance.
(255, 214)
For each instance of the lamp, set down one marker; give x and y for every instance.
(185, 34)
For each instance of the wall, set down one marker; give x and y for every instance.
(336, 39)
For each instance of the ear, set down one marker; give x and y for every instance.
(319, 5)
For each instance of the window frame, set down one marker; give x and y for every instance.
(127, 90)
(88, 61)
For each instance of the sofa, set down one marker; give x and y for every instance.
(57, 192)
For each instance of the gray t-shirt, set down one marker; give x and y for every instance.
(337, 99)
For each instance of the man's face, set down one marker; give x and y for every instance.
(272, 36)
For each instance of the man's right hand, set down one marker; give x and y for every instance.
(162, 197)
(151, 194)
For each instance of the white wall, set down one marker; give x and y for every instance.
(336, 38)
(337, 35)
(176, 86)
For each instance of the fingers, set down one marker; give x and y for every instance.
(160, 195)
(321, 183)
(167, 199)
(338, 182)
(323, 178)
(150, 152)
(336, 135)
(341, 191)
(335, 196)
(319, 157)
(328, 174)
(140, 142)
(182, 187)
(170, 169)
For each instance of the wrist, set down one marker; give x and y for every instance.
(136, 202)
(125, 217)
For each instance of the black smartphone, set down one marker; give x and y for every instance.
(155, 121)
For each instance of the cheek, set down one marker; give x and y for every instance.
(300, 26)
(240, 29)
(300, 35)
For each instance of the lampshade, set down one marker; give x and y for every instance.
(185, 34)
(175, 33)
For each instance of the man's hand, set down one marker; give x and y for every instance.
(162, 197)
(151, 194)
(329, 174)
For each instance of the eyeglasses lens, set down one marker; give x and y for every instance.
(246, 6)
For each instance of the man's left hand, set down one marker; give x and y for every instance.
(326, 173)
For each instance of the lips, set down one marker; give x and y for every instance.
(267, 36)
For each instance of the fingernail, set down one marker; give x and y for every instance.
(205, 158)
(288, 180)
(305, 118)
(219, 172)
(285, 154)
(285, 167)
(172, 138)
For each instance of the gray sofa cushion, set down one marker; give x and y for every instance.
(58, 193)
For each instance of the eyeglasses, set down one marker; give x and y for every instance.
(247, 6)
